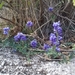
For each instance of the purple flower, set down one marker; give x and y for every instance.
(46, 46)
(20, 37)
(53, 38)
(56, 25)
(57, 49)
(29, 24)
(59, 30)
(60, 38)
(16, 38)
(50, 9)
(23, 37)
(6, 30)
(57, 43)
(33, 43)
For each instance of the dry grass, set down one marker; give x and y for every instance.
(18, 12)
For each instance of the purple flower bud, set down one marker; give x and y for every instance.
(60, 38)
(50, 9)
(56, 25)
(57, 49)
(23, 37)
(46, 46)
(16, 38)
(33, 43)
(29, 24)
(6, 30)
(19, 34)
(53, 38)
(57, 43)
(59, 30)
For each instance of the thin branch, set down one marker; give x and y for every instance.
(8, 20)
(63, 17)
(48, 59)
(10, 6)
(36, 18)
(67, 51)
(42, 25)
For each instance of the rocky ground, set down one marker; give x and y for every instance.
(15, 64)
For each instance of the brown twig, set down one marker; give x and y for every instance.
(67, 51)
(63, 17)
(48, 59)
(42, 25)
(8, 20)
(36, 18)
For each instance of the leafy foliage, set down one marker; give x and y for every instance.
(22, 47)
(51, 53)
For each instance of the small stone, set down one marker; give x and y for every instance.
(38, 72)
(48, 74)
(1, 57)
(16, 62)
(2, 64)
(1, 67)
(28, 63)
(3, 74)
(27, 70)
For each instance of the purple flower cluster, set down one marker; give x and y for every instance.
(54, 38)
(29, 24)
(6, 30)
(20, 37)
(33, 43)
(57, 35)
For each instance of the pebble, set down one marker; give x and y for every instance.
(3, 74)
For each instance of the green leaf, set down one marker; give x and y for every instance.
(71, 55)
(1, 4)
(53, 18)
